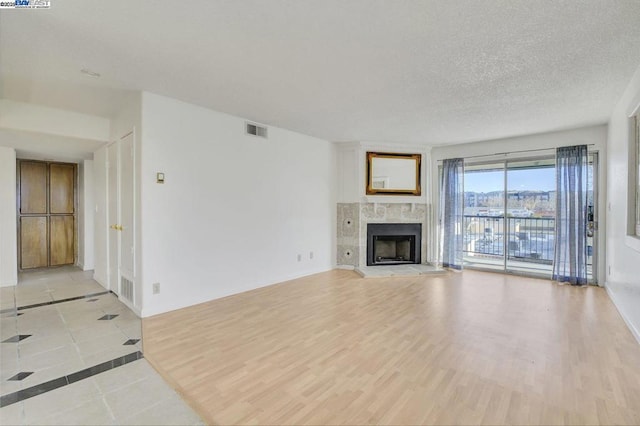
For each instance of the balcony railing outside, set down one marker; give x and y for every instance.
(530, 239)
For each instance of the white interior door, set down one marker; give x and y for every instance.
(112, 214)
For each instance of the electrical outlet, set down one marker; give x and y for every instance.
(156, 288)
(299, 258)
(310, 255)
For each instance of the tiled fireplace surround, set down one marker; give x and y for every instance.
(352, 227)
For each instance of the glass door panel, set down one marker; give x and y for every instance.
(592, 217)
(521, 237)
(484, 224)
(530, 221)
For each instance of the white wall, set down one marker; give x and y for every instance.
(8, 243)
(235, 210)
(623, 251)
(352, 171)
(86, 209)
(596, 135)
(80, 216)
(100, 226)
(35, 118)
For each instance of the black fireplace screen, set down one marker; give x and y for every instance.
(393, 243)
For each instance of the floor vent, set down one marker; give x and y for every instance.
(126, 289)
(255, 130)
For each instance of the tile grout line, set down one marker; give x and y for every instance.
(24, 393)
(62, 381)
(53, 302)
(17, 398)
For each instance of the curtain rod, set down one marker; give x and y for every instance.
(513, 152)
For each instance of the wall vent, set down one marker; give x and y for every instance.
(256, 130)
(126, 289)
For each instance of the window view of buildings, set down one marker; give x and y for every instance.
(529, 203)
(522, 235)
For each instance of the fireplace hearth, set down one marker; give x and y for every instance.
(393, 243)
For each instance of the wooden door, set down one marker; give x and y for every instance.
(61, 214)
(33, 238)
(61, 240)
(46, 214)
(33, 210)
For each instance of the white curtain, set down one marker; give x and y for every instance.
(570, 257)
(451, 212)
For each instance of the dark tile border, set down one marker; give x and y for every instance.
(17, 338)
(53, 302)
(108, 317)
(20, 376)
(36, 390)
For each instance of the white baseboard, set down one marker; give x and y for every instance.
(155, 310)
(634, 326)
(347, 267)
(101, 280)
(9, 283)
(128, 304)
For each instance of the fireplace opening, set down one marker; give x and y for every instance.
(394, 249)
(393, 243)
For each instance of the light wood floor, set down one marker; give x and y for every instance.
(465, 348)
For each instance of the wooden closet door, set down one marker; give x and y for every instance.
(46, 213)
(61, 209)
(61, 184)
(33, 187)
(33, 242)
(61, 240)
(33, 202)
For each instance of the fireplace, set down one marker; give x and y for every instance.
(393, 243)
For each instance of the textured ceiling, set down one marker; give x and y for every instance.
(427, 72)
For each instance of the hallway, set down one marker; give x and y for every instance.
(71, 355)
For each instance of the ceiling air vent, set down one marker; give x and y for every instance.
(256, 130)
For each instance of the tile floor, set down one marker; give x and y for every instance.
(70, 354)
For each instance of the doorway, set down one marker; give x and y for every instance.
(46, 212)
(509, 216)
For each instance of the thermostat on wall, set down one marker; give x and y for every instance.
(160, 177)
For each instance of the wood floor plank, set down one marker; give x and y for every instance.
(461, 348)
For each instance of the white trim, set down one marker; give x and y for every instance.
(100, 280)
(346, 267)
(632, 242)
(635, 110)
(635, 330)
(130, 306)
(147, 312)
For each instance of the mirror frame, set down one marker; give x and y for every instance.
(370, 190)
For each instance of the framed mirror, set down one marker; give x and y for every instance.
(393, 174)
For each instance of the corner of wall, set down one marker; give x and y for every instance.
(8, 232)
(626, 300)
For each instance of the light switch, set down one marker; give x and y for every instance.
(160, 177)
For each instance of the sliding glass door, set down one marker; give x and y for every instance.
(531, 214)
(484, 224)
(509, 216)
